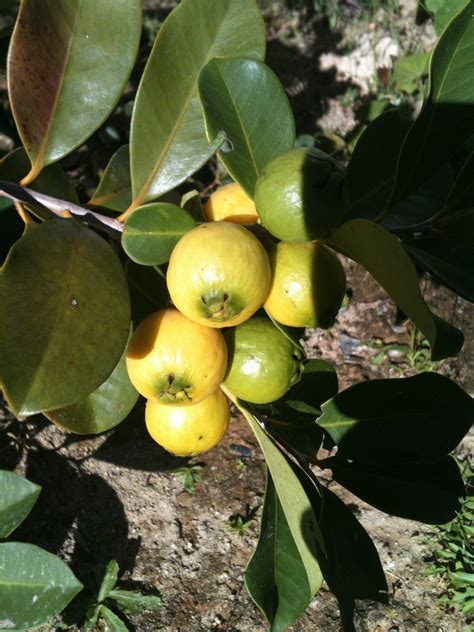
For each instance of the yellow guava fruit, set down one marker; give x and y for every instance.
(218, 274)
(230, 203)
(188, 430)
(308, 285)
(175, 360)
(301, 195)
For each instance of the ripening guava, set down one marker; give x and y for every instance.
(174, 360)
(301, 195)
(218, 274)
(230, 203)
(263, 363)
(308, 284)
(188, 430)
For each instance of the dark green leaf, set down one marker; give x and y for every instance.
(134, 602)
(381, 254)
(52, 180)
(68, 64)
(294, 334)
(113, 623)
(459, 226)
(449, 260)
(447, 117)
(103, 409)
(35, 585)
(244, 98)
(63, 334)
(421, 205)
(461, 196)
(115, 187)
(17, 497)
(428, 492)
(350, 563)
(275, 577)
(109, 580)
(372, 167)
(294, 502)
(414, 419)
(148, 290)
(151, 232)
(168, 137)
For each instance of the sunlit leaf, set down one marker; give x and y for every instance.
(168, 137)
(244, 98)
(35, 585)
(63, 334)
(68, 64)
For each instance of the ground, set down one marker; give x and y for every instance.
(116, 496)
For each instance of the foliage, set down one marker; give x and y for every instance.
(82, 273)
(190, 476)
(453, 545)
(36, 585)
(110, 598)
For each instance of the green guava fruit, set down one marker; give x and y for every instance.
(301, 195)
(262, 362)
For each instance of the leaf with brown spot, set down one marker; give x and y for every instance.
(68, 64)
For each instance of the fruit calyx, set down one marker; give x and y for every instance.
(219, 306)
(173, 389)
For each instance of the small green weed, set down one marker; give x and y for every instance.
(454, 553)
(190, 476)
(240, 524)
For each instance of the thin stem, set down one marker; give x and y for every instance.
(23, 214)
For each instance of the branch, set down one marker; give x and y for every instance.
(56, 206)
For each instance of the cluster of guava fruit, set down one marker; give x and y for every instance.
(219, 277)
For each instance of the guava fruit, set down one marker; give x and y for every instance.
(308, 284)
(174, 360)
(230, 203)
(263, 363)
(301, 195)
(218, 274)
(188, 430)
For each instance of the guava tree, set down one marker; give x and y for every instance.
(80, 274)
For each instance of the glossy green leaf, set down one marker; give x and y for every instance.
(294, 502)
(381, 254)
(17, 497)
(103, 409)
(414, 419)
(109, 580)
(68, 64)
(134, 602)
(276, 577)
(427, 492)
(371, 170)
(52, 180)
(35, 585)
(148, 290)
(64, 333)
(151, 232)
(444, 11)
(446, 119)
(451, 261)
(115, 187)
(112, 621)
(245, 98)
(168, 137)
